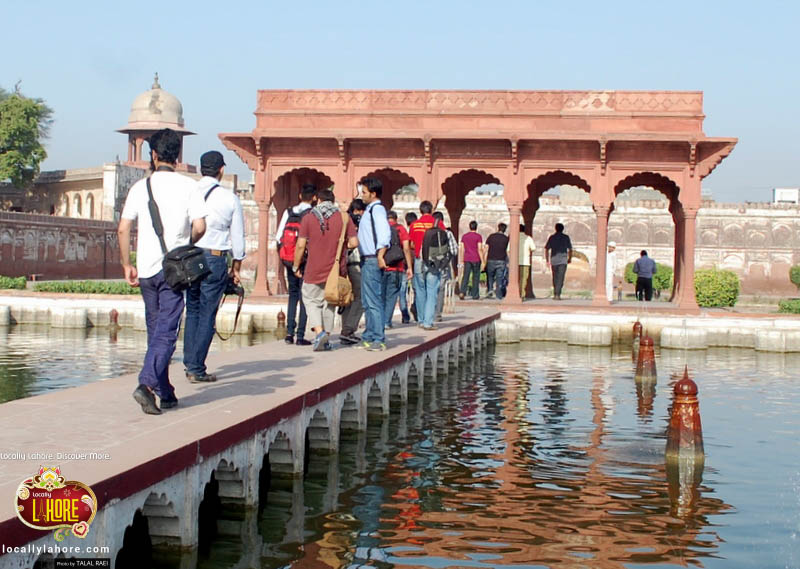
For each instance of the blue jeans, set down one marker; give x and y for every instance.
(426, 292)
(372, 299)
(163, 308)
(392, 284)
(404, 297)
(494, 277)
(202, 303)
(295, 284)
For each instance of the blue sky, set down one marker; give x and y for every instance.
(89, 60)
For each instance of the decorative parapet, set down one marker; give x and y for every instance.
(483, 102)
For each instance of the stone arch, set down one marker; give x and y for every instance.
(281, 457)
(231, 486)
(637, 233)
(396, 388)
(90, 205)
(782, 235)
(441, 361)
(349, 419)
(756, 238)
(733, 262)
(654, 180)
(544, 182)
(375, 400)
(455, 189)
(65, 211)
(77, 209)
(428, 369)
(287, 186)
(392, 181)
(733, 235)
(318, 434)
(137, 545)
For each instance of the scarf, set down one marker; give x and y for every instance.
(322, 211)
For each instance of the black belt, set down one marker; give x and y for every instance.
(368, 256)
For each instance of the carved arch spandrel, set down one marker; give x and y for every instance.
(243, 146)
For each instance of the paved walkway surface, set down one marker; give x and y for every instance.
(257, 387)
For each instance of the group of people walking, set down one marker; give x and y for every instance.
(380, 257)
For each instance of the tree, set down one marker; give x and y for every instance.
(24, 123)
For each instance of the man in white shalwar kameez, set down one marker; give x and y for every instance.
(611, 259)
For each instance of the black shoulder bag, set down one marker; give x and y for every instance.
(183, 265)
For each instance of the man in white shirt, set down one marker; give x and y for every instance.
(526, 248)
(182, 213)
(224, 236)
(286, 237)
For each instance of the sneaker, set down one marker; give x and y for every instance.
(169, 403)
(147, 400)
(377, 347)
(203, 378)
(489, 295)
(349, 339)
(289, 339)
(320, 341)
(429, 328)
(363, 345)
(461, 296)
(302, 342)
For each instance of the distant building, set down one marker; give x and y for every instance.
(786, 195)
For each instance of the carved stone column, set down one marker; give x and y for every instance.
(686, 298)
(513, 295)
(261, 288)
(599, 297)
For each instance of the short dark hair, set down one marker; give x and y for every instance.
(373, 185)
(167, 144)
(501, 227)
(643, 253)
(307, 192)
(559, 227)
(425, 207)
(356, 205)
(473, 225)
(438, 216)
(205, 170)
(391, 214)
(522, 228)
(325, 195)
(411, 217)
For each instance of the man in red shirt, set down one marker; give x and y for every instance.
(426, 280)
(393, 275)
(320, 231)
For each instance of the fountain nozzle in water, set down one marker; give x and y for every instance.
(685, 456)
(646, 361)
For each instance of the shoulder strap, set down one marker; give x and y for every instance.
(208, 193)
(374, 234)
(155, 217)
(341, 238)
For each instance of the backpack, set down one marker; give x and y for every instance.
(393, 255)
(291, 230)
(436, 249)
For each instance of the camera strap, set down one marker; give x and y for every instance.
(235, 320)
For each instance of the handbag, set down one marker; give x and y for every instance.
(338, 289)
(184, 265)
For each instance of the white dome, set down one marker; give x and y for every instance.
(156, 109)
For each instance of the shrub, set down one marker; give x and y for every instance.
(87, 287)
(794, 276)
(714, 287)
(662, 280)
(789, 306)
(12, 282)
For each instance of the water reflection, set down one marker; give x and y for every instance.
(532, 458)
(35, 358)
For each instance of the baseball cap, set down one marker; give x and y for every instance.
(212, 160)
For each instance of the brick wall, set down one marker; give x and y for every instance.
(58, 247)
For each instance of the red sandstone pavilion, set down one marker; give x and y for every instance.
(450, 142)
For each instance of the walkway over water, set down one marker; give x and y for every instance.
(259, 387)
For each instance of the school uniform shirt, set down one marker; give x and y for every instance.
(225, 219)
(179, 203)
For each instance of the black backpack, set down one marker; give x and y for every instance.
(436, 249)
(393, 255)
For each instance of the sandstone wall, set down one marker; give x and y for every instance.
(58, 247)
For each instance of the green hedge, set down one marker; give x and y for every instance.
(87, 287)
(714, 287)
(794, 276)
(662, 280)
(789, 306)
(12, 282)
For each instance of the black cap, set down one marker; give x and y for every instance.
(212, 160)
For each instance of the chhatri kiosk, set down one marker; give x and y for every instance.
(450, 142)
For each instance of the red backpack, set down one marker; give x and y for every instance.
(291, 230)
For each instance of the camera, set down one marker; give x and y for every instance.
(233, 288)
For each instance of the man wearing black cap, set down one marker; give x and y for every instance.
(224, 237)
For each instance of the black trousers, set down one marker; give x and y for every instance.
(644, 288)
(559, 271)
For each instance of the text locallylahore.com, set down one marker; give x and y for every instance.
(72, 455)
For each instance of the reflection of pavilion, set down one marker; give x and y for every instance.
(451, 142)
